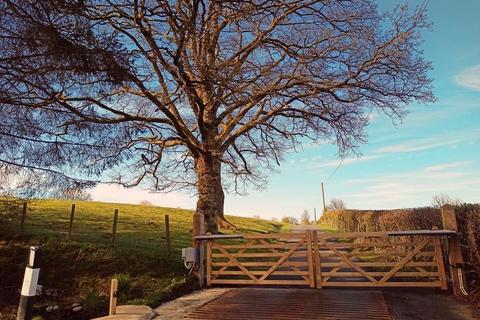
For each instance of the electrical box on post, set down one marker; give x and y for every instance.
(189, 255)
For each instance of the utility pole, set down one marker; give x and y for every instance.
(323, 196)
(315, 214)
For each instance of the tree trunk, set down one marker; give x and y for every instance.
(210, 193)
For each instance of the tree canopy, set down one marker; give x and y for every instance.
(175, 94)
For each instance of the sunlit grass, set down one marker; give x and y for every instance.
(85, 264)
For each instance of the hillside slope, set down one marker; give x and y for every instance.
(79, 270)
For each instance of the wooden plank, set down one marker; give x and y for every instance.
(289, 235)
(337, 235)
(421, 233)
(316, 255)
(262, 272)
(372, 245)
(275, 251)
(208, 262)
(379, 264)
(235, 261)
(440, 263)
(350, 263)
(263, 264)
(380, 274)
(402, 263)
(399, 284)
(282, 259)
(217, 237)
(259, 246)
(237, 253)
(261, 282)
(310, 259)
(259, 254)
(377, 254)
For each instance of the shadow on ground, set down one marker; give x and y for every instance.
(427, 304)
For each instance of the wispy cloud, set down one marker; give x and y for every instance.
(449, 139)
(445, 166)
(345, 162)
(469, 78)
(412, 187)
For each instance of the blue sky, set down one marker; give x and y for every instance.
(436, 149)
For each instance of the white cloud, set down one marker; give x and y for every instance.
(447, 139)
(116, 193)
(444, 166)
(408, 189)
(345, 162)
(470, 77)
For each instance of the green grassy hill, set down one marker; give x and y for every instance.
(79, 270)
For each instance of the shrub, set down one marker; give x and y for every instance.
(124, 287)
(94, 304)
(291, 220)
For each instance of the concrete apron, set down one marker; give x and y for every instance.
(131, 312)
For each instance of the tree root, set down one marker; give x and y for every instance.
(224, 224)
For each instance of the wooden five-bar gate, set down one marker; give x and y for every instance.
(317, 259)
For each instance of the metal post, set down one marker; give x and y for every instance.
(315, 214)
(30, 281)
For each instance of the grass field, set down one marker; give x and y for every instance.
(79, 270)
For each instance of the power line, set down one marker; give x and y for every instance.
(334, 171)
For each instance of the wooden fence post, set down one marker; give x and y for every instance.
(113, 297)
(316, 263)
(114, 230)
(167, 234)
(455, 257)
(72, 213)
(199, 230)
(24, 213)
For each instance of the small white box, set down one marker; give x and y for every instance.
(189, 254)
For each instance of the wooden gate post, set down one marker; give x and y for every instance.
(316, 261)
(455, 257)
(113, 297)
(199, 230)
(311, 273)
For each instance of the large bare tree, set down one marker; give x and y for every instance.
(178, 94)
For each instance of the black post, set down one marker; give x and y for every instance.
(167, 234)
(30, 281)
(114, 230)
(24, 214)
(70, 226)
